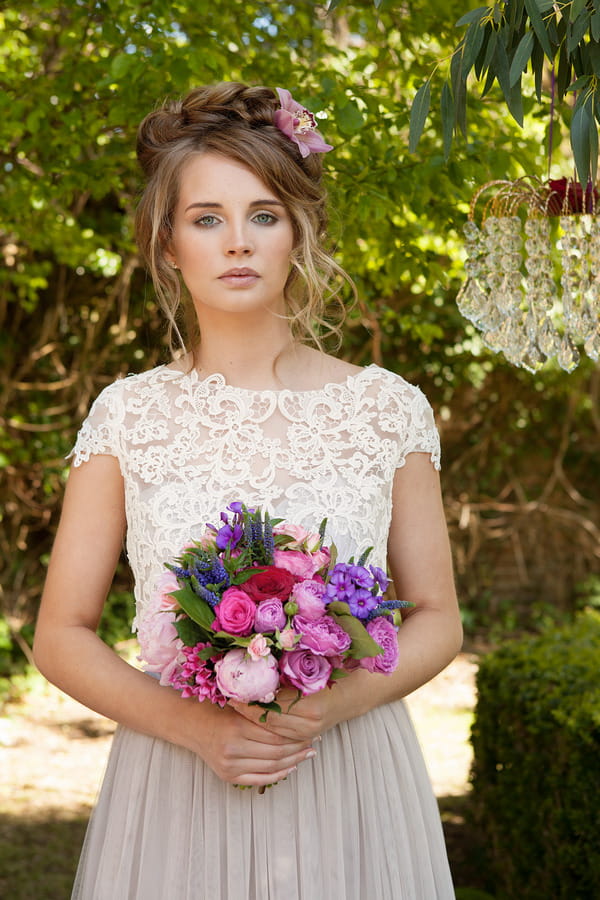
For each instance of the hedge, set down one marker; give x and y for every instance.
(536, 771)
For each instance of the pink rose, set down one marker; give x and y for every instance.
(258, 646)
(160, 647)
(235, 613)
(165, 586)
(385, 633)
(301, 538)
(269, 615)
(306, 670)
(239, 677)
(309, 598)
(273, 581)
(323, 636)
(288, 639)
(303, 565)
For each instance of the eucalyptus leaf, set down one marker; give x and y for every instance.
(576, 30)
(521, 57)
(472, 46)
(595, 24)
(577, 7)
(537, 23)
(447, 111)
(418, 115)
(581, 139)
(475, 15)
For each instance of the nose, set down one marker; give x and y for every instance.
(238, 242)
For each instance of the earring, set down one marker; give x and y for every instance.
(174, 265)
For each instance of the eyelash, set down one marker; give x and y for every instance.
(201, 220)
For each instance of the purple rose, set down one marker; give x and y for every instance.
(235, 613)
(239, 677)
(269, 615)
(306, 670)
(385, 633)
(309, 597)
(323, 636)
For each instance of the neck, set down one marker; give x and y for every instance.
(246, 350)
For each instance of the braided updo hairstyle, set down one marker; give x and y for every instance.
(236, 121)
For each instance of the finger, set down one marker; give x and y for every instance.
(260, 771)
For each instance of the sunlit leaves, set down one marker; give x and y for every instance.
(504, 40)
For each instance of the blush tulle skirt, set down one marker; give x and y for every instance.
(358, 822)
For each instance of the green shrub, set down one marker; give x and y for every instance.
(536, 772)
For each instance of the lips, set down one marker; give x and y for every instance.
(239, 277)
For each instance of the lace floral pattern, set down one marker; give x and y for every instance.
(188, 446)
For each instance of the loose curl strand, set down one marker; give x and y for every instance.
(236, 121)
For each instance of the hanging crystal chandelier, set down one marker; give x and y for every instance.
(533, 267)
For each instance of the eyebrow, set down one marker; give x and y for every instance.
(254, 204)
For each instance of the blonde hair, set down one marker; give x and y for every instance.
(236, 121)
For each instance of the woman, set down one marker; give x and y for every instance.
(230, 226)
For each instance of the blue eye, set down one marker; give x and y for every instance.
(207, 220)
(265, 218)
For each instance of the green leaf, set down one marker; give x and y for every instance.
(475, 15)
(197, 609)
(418, 115)
(243, 577)
(364, 556)
(447, 110)
(512, 94)
(537, 65)
(349, 118)
(333, 4)
(188, 631)
(537, 23)
(581, 139)
(576, 30)
(593, 149)
(595, 25)
(521, 57)
(459, 91)
(472, 46)
(563, 74)
(362, 642)
(577, 6)
(594, 53)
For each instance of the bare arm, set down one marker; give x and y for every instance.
(69, 653)
(431, 634)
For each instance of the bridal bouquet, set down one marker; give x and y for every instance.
(257, 604)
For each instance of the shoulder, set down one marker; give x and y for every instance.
(135, 383)
(390, 385)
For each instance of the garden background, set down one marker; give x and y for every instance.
(521, 460)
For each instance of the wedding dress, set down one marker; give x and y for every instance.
(358, 822)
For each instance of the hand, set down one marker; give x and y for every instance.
(300, 720)
(241, 751)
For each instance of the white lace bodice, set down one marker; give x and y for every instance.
(188, 446)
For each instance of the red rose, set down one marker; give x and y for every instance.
(271, 582)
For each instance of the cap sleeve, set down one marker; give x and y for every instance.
(407, 417)
(421, 435)
(99, 432)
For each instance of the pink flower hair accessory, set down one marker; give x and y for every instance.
(299, 125)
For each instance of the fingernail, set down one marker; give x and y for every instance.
(318, 738)
(293, 769)
(311, 754)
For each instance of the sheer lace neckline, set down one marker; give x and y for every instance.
(219, 380)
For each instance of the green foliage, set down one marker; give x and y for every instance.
(536, 774)
(505, 38)
(76, 309)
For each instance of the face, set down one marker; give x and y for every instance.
(232, 238)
